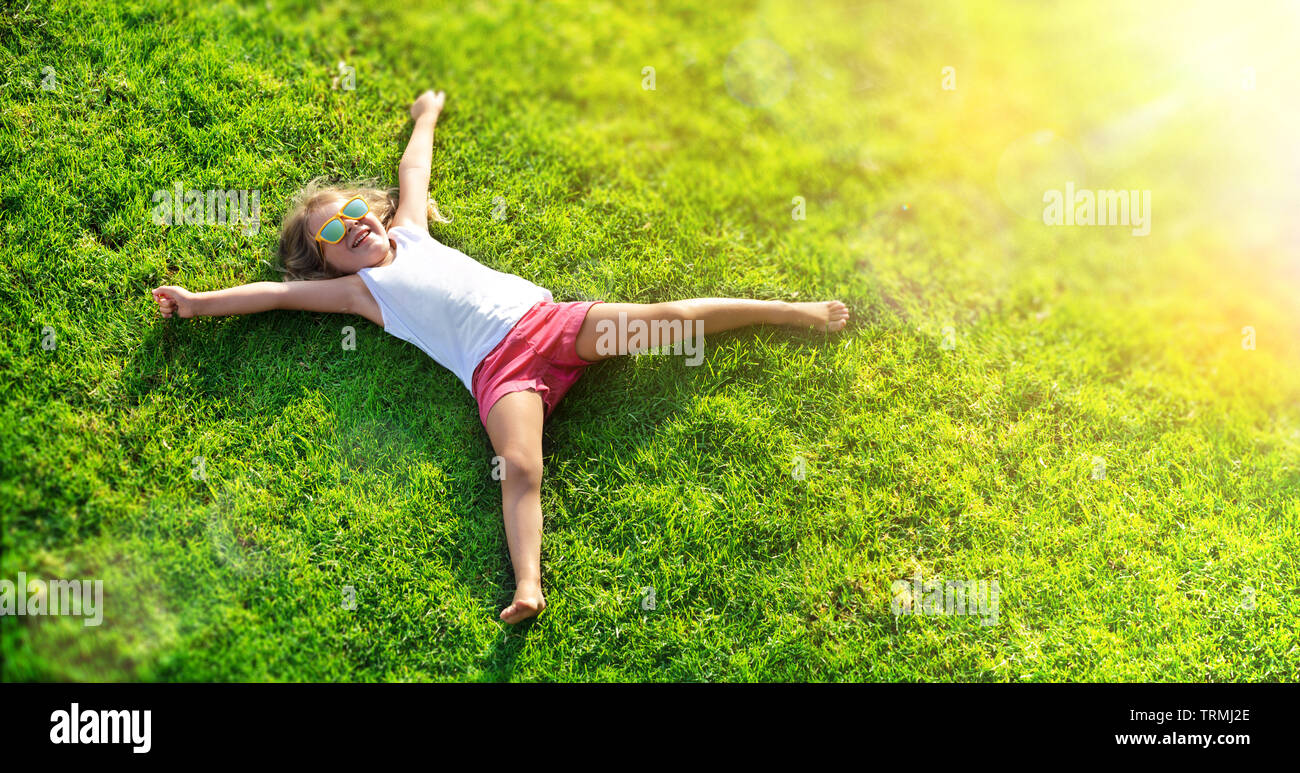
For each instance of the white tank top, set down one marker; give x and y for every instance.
(452, 307)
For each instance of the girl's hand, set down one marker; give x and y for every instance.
(428, 103)
(174, 300)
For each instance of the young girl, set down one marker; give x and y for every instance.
(359, 251)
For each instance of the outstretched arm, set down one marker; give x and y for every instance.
(344, 295)
(414, 171)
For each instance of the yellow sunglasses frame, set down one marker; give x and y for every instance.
(320, 242)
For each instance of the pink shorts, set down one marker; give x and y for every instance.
(540, 352)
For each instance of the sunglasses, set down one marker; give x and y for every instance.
(334, 230)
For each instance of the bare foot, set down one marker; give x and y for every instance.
(528, 602)
(828, 316)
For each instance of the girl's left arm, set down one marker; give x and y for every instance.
(414, 171)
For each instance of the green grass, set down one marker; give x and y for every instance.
(329, 468)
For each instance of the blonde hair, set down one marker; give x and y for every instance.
(299, 256)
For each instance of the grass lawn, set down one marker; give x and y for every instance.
(1104, 424)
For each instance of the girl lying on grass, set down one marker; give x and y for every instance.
(359, 251)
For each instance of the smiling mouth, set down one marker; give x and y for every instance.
(361, 236)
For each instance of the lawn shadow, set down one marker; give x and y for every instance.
(250, 369)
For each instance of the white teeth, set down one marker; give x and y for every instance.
(365, 232)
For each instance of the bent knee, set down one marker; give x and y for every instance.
(522, 467)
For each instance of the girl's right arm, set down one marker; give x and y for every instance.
(344, 295)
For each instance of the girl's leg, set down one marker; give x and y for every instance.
(514, 424)
(713, 315)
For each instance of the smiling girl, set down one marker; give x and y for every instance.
(357, 250)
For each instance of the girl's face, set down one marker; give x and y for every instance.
(364, 245)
